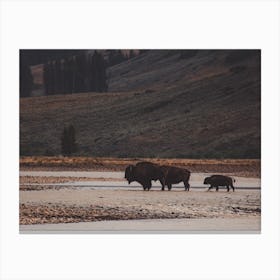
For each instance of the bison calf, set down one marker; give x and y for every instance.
(216, 181)
(144, 173)
(175, 175)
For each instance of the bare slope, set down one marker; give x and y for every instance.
(160, 105)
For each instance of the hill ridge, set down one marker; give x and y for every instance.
(206, 105)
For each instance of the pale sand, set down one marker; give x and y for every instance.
(165, 200)
(215, 225)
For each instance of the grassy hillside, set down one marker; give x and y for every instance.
(203, 104)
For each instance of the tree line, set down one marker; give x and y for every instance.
(80, 73)
(70, 71)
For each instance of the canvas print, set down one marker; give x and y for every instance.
(140, 140)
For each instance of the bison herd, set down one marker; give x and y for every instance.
(146, 172)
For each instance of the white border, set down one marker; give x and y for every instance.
(146, 24)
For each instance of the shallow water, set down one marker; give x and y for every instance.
(87, 174)
(196, 180)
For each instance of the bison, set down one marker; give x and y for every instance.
(144, 173)
(175, 175)
(219, 180)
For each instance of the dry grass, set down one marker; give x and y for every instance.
(38, 183)
(241, 167)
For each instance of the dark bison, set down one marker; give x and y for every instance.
(216, 181)
(144, 173)
(175, 175)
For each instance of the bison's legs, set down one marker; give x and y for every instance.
(187, 186)
(217, 188)
(169, 187)
(210, 188)
(227, 188)
(232, 187)
(162, 184)
(146, 185)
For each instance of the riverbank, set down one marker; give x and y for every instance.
(106, 196)
(237, 167)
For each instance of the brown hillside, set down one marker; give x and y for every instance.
(161, 104)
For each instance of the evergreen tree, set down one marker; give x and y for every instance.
(51, 78)
(93, 72)
(110, 58)
(102, 74)
(57, 77)
(98, 73)
(46, 74)
(68, 76)
(74, 75)
(63, 73)
(81, 72)
(68, 141)
(26, 78)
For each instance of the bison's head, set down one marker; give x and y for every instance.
(129, 174)
(206, 181)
